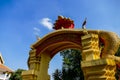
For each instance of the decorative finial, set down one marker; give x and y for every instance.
(37, 37)
(84, 24)
(36, 32)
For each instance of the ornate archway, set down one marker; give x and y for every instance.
(98, 50)
(44, 49)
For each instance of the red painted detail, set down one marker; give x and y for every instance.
(63, 22)
(118, 66)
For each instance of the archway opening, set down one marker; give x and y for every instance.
(55, 63)
(49, 46)
(67, 65)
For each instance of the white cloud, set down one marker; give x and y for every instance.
(36, 30)
(46, 22)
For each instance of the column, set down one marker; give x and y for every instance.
(44, 65)
(90, 47)
(33, 64)
(95, 68)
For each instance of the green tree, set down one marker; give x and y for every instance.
(71, 65)
(71, 69)
(57, 75)
(16, 75)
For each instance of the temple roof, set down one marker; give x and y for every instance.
(4, 68)
(1, 59)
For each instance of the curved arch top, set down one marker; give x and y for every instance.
(71, 38)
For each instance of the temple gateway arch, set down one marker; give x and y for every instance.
(96, 64)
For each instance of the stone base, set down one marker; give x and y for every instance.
(101, 69)
(29, 75)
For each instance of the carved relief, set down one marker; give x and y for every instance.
(33, 60)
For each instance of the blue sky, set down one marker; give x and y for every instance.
(21, 20)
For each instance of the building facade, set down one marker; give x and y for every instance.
(5, 72)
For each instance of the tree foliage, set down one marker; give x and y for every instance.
(57, 75)
(16, 75)
(71, 69)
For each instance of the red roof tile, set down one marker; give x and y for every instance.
(4, 68)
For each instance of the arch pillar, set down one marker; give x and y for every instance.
(33, 61)
(33, 65)
(38, 66)
(43, 68)
(94, 67)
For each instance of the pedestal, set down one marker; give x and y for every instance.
(101, 69)
(29, 75)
